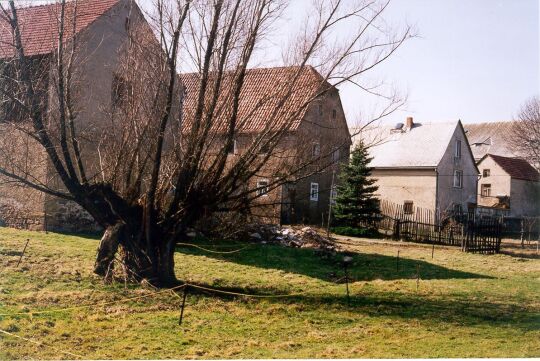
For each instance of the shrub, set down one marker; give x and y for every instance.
(356, 232)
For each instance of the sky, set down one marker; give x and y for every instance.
(477, 60)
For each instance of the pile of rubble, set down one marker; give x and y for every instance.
(305, 237)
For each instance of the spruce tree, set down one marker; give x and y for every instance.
(355, 202)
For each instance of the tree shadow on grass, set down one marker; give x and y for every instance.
(442, 310)
(323, 266)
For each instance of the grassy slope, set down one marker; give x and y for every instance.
(466, 306)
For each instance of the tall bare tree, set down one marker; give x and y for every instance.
(160, 162)
(525, 136)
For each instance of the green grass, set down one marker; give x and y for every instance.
(466, 305)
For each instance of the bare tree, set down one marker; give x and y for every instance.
(159, 162)
(525, 136)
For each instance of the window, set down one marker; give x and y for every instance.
(262, 187)
(457, 153)
(458, 179)
(408, 207)
(335, 155)
(485, 190)
(320, 110)
(486, 173)
(265, 148)
(334, 114)
(233, 149)
(316, 150)
(457, 208)
(333, 195)
(314, 192)
(121, 90)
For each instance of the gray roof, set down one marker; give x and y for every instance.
(422, 146)
(490, 138)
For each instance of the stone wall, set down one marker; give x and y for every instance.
(67, 216)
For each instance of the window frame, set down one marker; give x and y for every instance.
(457, 149)
(458, 175)
(316, 150)
(234, 149)
(333, 195)
(314, 196)
(336, 156)
(486, 173)
(483, 188)
(408, 207)
(262, 190)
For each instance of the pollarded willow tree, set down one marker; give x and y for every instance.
(154, 160)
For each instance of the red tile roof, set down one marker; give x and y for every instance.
(39, 25)
(517, 168)
(261, 94)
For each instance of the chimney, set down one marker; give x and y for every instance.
(409, 123)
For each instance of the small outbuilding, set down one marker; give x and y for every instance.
(509, 183)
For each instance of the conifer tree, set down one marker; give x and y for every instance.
(355, 202)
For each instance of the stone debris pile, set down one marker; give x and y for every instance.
(305, 237)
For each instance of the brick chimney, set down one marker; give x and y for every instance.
(409, 124)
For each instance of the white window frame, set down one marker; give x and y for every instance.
(484, 188)
(457, 149)
(314, 192)
(333, 195)
(458, 179)
(262, 187)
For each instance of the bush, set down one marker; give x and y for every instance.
(356, 232)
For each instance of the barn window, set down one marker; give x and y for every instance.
(121, 90)
(314, 192)
(233, 148)
(262, 187)
(457, 153)
(458, 179)
(316, 149)
(486, 173)
(335, 155)
(333, 195)
(408, 207)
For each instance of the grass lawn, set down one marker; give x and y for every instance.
(466, 305)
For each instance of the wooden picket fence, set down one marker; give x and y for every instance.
(478, 235)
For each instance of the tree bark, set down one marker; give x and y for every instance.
(151, 260)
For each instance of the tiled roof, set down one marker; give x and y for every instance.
(262, 91)
(422, 146)
(490, 138)
(39, 25)
(517, 168)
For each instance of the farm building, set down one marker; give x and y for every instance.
(423, 165)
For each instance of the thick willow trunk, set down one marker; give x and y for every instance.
(143, 260)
